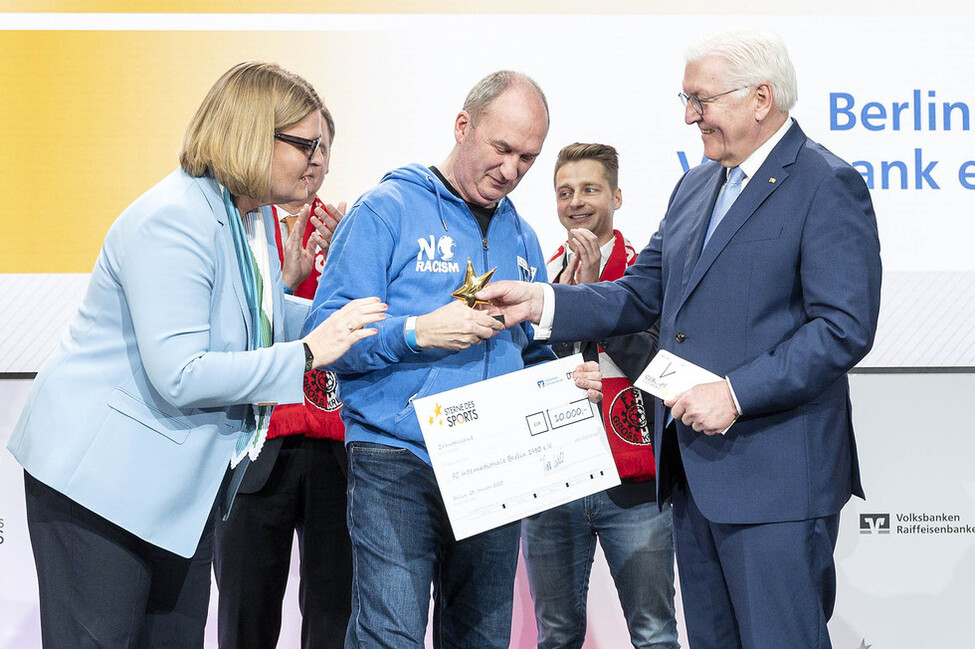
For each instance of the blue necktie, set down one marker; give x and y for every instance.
(729, 192)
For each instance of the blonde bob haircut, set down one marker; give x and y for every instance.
(231, 137)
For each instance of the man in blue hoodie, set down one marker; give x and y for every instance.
(409, 240)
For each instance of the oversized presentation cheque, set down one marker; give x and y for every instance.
(515, 445)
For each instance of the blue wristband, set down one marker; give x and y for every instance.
(409, 330)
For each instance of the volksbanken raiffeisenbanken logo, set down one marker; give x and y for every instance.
(874, 523)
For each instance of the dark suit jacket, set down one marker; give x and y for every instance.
(784, 301)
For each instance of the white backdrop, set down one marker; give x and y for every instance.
(404, 78)
(615, 79)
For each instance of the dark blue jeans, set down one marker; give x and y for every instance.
(402, 544)
(637, 540)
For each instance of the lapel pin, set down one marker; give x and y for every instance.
(772, 180)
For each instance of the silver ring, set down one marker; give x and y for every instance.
(349, 325)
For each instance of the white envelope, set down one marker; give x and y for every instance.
(668, 375)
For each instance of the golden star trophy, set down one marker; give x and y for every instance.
(472, 284)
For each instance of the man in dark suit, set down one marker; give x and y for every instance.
(779, 295)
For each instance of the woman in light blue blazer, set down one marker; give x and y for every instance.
(168, 372)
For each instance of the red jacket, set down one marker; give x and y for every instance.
(319, 415)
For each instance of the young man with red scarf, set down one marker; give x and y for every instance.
(636, 535)
(297, 483)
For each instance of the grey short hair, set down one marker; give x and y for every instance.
(490, 88)
(754, 57)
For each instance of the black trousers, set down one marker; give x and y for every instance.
(305, 492)
(101, 586)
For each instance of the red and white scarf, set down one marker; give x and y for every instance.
(624, 412)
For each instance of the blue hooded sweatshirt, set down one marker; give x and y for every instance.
(407, 241)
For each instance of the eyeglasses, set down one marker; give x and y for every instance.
(308, 146)
(697, 103)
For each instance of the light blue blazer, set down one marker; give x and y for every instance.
(137, 412)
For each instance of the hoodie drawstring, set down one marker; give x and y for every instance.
(436, 190)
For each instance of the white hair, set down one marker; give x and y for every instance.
(754, 57)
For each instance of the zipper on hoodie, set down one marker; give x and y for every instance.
(484, 238)
(484, 261)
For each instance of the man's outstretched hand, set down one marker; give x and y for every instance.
(516, 301)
